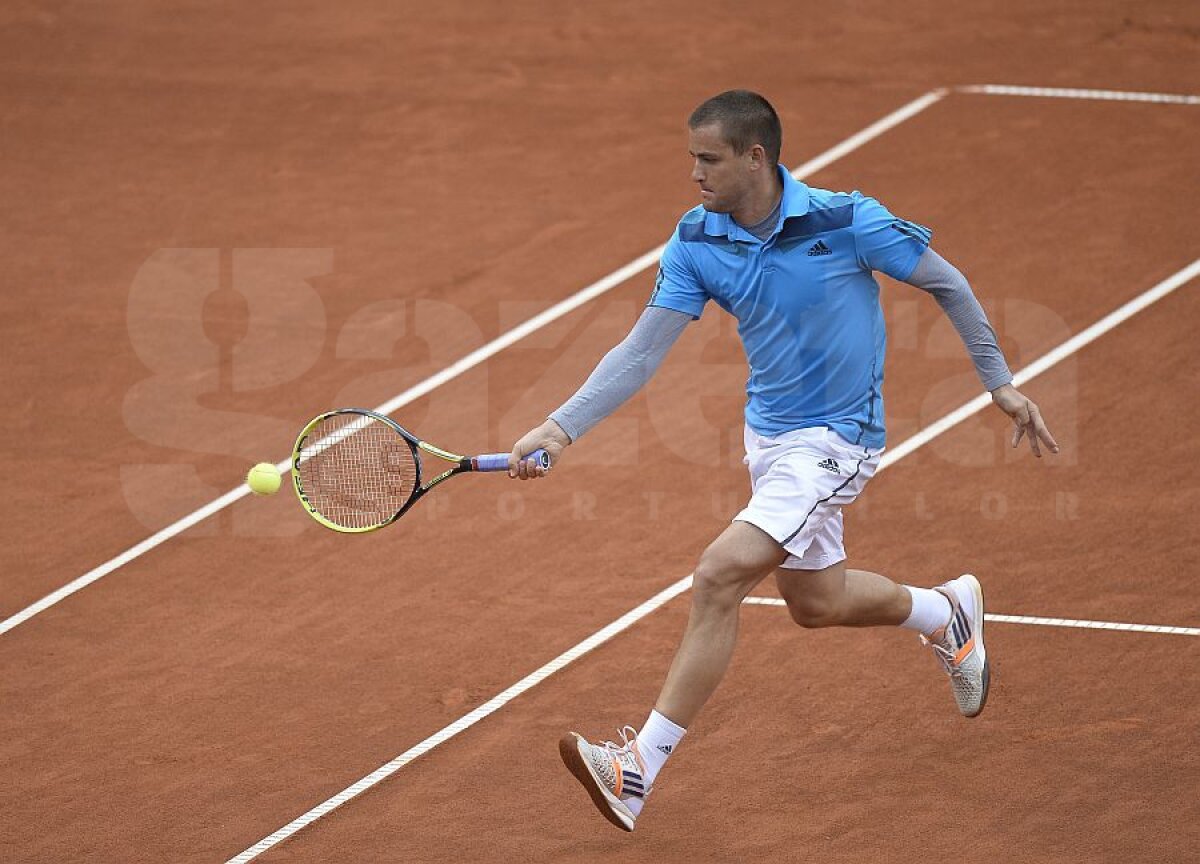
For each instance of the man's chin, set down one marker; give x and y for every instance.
(713, 207)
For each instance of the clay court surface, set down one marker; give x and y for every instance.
(222, 220)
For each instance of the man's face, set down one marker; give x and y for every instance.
(723, 175)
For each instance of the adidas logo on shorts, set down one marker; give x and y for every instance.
(830, 465)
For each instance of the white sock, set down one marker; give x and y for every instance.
(930, 610)
(657, 741)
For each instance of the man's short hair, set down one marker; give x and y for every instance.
(745, 119)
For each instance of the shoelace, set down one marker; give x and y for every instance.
(626, 733)
(624, 751)
(945, 656)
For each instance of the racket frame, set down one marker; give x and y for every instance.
(462, 463)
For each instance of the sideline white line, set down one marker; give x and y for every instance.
(834, 153)
(124, 558)
(904, 448)
(1047, 360)
(470, 361)
(1046, 622)
(1076, 93)
(466, 721)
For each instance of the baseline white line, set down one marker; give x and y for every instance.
(1045, 622)
(904, 448)
(470, 361)
(1076, 93)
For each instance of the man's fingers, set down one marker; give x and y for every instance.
(526, 468)
(1027, 421)
(516, 465)
(1039, 428)
(1025, 415)
(1022, 423)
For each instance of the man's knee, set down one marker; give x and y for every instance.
(727, 571)
(718, 581)
(811, 602)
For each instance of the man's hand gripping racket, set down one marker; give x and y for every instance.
(548, 438)
(356, 471)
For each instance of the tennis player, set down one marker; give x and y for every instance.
(793, 264)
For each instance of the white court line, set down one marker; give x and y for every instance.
(466, 721)
(1095, 625)
(568, 305)
(904, 448)
(1075, 93)
(470, 361)
(1045, 622)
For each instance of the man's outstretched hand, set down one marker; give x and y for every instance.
(1026, 417)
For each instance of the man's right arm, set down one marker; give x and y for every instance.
(622, 373)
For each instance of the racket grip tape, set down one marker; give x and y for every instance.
(499, 461)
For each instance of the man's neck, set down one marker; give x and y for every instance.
(760, 205)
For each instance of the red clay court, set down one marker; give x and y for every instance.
(222, 219)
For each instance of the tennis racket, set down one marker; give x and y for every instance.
(356, 471)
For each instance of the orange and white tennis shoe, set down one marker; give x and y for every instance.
(959, 645)
(612, 774)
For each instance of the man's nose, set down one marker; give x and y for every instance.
(697, 173)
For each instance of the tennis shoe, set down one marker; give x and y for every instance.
(612, 774)
(959, 645)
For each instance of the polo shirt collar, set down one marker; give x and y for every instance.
(796, 196)
(795, 202)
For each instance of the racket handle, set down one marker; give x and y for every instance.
(499, 461)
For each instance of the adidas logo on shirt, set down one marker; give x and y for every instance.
(819, 248)
(666, 748)
(830, 464)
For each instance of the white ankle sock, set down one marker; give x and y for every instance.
(657, 740)
(930, 610)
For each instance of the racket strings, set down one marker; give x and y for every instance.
(356, 471)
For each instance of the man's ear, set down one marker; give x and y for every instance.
(758, 157)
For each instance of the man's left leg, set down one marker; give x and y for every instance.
(837, 597)
(949, 618)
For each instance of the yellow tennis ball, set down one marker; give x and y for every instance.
(263, 479)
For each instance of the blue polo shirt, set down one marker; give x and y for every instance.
(806, 303)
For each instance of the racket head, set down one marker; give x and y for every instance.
(355, 470)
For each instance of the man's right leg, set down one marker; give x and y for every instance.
(617, 777)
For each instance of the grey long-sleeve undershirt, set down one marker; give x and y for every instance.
(623, 371)
(627, 367)
(937, 276)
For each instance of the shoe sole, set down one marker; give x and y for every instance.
(977, 590)
(568, 749)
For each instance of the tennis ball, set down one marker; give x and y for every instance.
(263, 479)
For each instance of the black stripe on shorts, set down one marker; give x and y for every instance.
(790, 537)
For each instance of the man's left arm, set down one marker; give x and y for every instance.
(950, 288)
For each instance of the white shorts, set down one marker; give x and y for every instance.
(800, 482)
